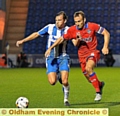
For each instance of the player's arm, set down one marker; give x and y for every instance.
(76, 42)
(57, 42)
(30, 37)
(106, 34)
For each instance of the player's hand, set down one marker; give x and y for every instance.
(19, 42)
(79, 36)
(47, 53)
(105, 50)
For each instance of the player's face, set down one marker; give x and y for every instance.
(60, 22)
(79, 21)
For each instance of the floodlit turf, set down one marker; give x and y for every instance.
(33, 84)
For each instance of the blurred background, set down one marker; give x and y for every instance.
(20, 18)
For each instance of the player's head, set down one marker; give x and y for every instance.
(79, 19)
(61, 19)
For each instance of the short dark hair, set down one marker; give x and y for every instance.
(65, 17)
(79, 13)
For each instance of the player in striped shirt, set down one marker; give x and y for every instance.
(58, 59)
(83, 36)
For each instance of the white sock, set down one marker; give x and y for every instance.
(66, 92)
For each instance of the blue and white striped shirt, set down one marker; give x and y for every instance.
(53, 34)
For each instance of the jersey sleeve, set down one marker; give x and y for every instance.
(97, 28)
(68, 35)
(44, 30)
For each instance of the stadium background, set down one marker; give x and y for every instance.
(42, 12)
(22, 18)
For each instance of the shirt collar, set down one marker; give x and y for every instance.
(85, 26)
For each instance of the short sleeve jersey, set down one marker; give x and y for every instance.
(53, 33)
(88, 41)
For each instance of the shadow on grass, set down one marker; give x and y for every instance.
(107, 104)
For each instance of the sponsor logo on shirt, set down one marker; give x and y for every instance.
(87, 39)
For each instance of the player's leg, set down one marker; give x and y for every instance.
(52, 78)
(64, 69)
(90, 64)
(59, 77)
(82, 61)
(51, 65)
(66, 87)
(93, 78)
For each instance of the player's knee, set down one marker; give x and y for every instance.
(88, 69)
(52, 83)
(65, 82)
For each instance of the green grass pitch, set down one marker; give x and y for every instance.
(33, 84)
